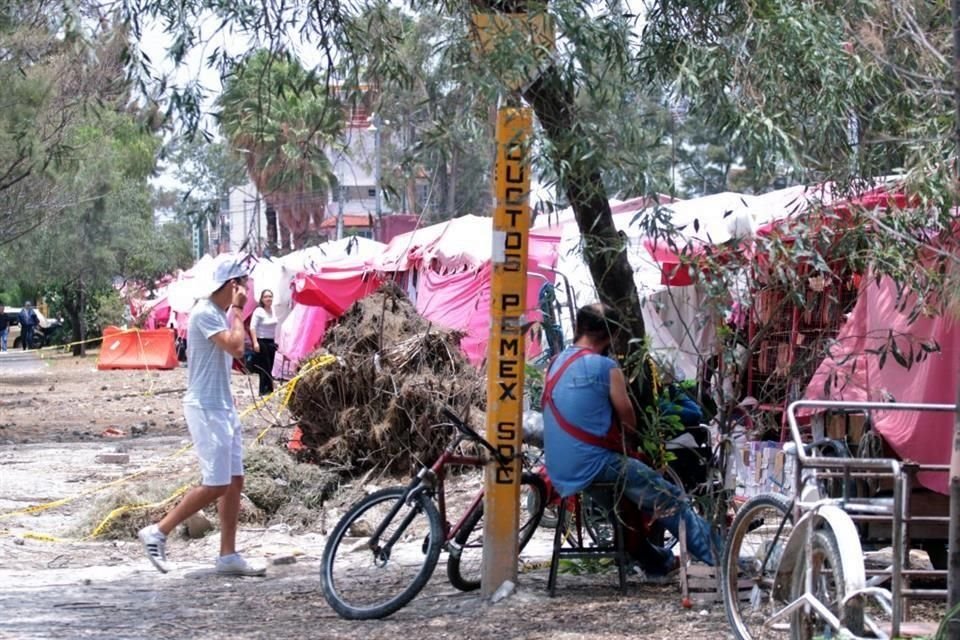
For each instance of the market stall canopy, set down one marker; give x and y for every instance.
(856, 371)
(404, 250)
(334, 289)
(189, 285)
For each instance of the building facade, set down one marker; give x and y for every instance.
(243, 222)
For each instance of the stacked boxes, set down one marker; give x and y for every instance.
(763, 467)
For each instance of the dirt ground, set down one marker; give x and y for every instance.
(57, 415)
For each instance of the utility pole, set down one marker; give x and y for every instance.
(505, 351)
(375, 127)
(340, 185)
(503, 24)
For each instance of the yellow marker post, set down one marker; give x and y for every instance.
(505, 353)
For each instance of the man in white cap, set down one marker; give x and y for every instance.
(214, 337)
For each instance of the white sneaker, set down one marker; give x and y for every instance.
(235, 565)
(155, 544)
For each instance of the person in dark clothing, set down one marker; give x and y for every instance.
(675, 401)
(4, 327)
(263, 329)
(28, 325)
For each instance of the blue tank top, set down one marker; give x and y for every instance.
(582, 396)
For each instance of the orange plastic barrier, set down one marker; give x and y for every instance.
(137, 349)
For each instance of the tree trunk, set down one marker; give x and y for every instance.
(443, 179)
(271, 217)
(81, 326)
(452, 182)
(74, 312)
(284, 237)
(411, 191)
(604, 247)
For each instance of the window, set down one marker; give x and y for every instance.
(372, 193)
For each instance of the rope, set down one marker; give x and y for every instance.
(39, 508)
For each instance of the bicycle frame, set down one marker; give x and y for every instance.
(429, 480)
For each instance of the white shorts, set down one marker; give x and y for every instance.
(218, 441)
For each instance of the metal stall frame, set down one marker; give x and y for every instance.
(875, 509)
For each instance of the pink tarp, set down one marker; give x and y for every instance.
(924, 438)
(462, 301)
(159, 314)
(333, 289)
(299, 335)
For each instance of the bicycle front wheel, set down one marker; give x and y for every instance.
(826, 565)
(365, 578)
(465, 563)
(749, 566)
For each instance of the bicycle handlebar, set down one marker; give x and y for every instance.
(473, 435)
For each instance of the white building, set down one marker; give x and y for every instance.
(242, 213)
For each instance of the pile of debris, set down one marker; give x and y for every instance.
(378, 405)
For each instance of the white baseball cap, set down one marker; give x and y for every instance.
(226, 267)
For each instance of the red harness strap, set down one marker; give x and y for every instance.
(612, 441)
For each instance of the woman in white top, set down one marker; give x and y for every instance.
(263, 327)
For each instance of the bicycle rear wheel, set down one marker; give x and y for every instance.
(464, 565)
(360, 578)
(599, 526)
(749, 566)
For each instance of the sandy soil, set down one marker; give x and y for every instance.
(52, 417)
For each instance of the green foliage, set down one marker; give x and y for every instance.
(943, 630)
(108, 234)
(206, 171)
(11, 295)
(586, 566)
(55, 68)
(533, 377)
(437, 107)
(103, 308)
(844, 90)
(280, 117)
(279, 111)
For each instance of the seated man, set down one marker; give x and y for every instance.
(585, 396)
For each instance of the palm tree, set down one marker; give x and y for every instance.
(282, 117)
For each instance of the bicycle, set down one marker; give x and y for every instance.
(400, 532)
(755, 546)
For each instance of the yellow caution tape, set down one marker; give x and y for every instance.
(67, 345)
(288, 387)
(38, 508)
(315, 363)
(42, 537)
(119, 511)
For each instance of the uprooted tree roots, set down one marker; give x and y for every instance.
(375, 408)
